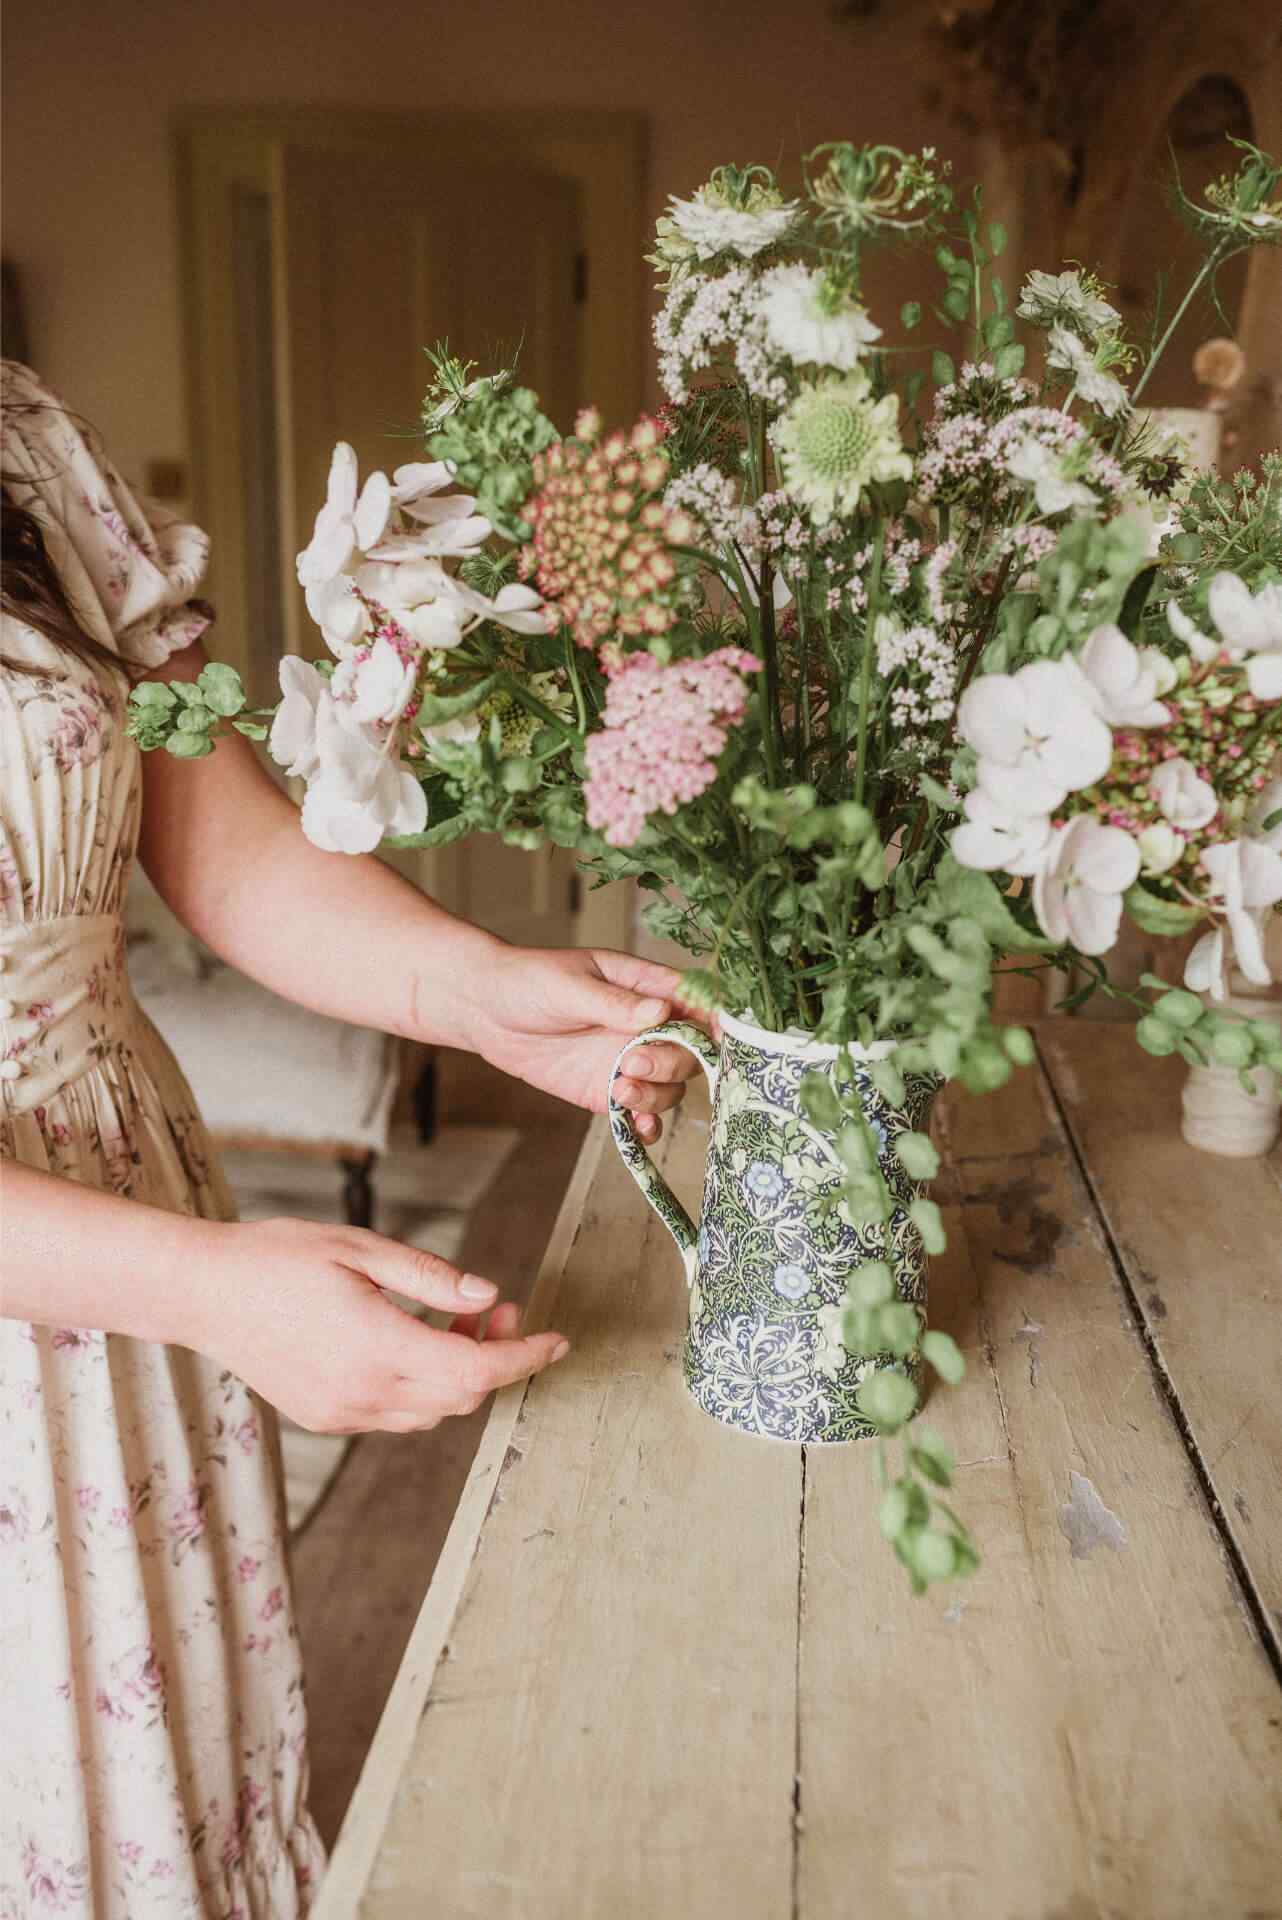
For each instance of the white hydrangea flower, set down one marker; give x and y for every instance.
(1246, 884)
(378, 682)
(1123, 681)
(804, 330)
(1037, 735)
(1250, 629)
(1077, 895)
(994, 838)
(350, 521)
(1053, 490)
(358, 793)
(1160, 845)
(292, 740)
(1186, 800)
(1048, 299)
(1099, 389)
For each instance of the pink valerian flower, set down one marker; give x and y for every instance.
(663, 729)
(601, 551)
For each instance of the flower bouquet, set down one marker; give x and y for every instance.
(875, 664)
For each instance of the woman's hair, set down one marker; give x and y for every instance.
(31, 589)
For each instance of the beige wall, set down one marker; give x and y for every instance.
(89, 91)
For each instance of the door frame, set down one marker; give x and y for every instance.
(606, 154)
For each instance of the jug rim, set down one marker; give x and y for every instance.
(797, 1046)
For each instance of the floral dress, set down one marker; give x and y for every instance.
(153, 1758)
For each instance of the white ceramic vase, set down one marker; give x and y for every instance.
(1220, 1116)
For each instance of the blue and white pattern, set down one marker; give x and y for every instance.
(774, 1250)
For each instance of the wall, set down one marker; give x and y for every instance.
(89, 92)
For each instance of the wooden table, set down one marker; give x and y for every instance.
(665, 1671)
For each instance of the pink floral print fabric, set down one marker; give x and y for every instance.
(153, 1761)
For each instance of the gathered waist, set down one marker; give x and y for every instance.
(65, 1003)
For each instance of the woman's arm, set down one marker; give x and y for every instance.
(348, 937)
(295, 1308)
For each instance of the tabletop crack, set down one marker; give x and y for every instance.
(797, 1821)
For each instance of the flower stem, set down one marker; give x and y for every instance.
(865, 666)
(1209, 265)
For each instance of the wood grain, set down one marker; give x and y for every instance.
(1200, 1239)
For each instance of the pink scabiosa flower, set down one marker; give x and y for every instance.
(663, 729)
(602, 546)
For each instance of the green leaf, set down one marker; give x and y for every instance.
(898, 1328)
(819, 1102)
(929, 1222)
(1155, 1036)
(1134, 602)
(1009, 360)
(441, 835)
(872, 1285)
(221, 689)
(932, 1456)
(934, 1555)
(892, 1514)
(887, 1398)
(519, 774)
(189, 746)
(942, 370)
(944, 1355)
(1018, 1043)
(888, 1081)
(196, 718)
(939, 796)
(910, 314)
(1233, 1046)
(854, 1151)
(999, 328)
(252, 729)
(962, 890)
(434, 710)
(997, 238)
(1155, 915)
(917, 1156)
(153, 693)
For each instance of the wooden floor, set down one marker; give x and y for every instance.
(363, 1561)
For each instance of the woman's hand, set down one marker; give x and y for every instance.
(297, 1310)
(558, 1018)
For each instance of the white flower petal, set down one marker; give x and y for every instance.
(1106, 860)
(1264, 676)
(329, 549)
(373, 511)
(340, 489)
(417, 479)
(1204, 968)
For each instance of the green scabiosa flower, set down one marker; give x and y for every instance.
(834, 440)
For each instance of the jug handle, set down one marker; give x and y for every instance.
(635, 1155)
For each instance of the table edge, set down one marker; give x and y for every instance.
(360, 1836)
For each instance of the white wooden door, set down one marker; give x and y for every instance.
(380, 254)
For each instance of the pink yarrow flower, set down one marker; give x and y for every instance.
(663, 730)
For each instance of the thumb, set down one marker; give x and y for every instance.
(422, 1276)
(620, 1010)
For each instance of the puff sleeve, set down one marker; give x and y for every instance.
(131, 569)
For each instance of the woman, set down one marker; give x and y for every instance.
(154, 1756)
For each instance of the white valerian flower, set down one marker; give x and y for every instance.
(378, 683)
(339, 612)
(1053, 491)
(1037, 735)
(349, 521)
(1077, 896)
(1246, 883)
(994, 838)
(1099, 389)
(1187, 801)
(809, 332)
(359, 792)
(1250, 628)
(292, 740)
(710, 225)
(1160, 845)
(1051, 298)
(1122, 680)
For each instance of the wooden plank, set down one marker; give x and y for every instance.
(1200, 1239)
(613, 1731)
(1071, 1734)
(358, 1843)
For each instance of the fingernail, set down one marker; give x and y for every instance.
(560, 1350)
(473, 1289)
(639, 1065)
(650, 1012)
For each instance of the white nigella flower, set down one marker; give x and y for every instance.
(710, 225)
(1051, 298)
(349, 521)
(359, 792)
(1250, 628)
(1037, 735)
(292, 740)
(378, 685)
(1099, 389)
(1246, 883)
(1077, 896)
(1053, 491)
(1123, 681)
(801, 327)
(993, 838)
(1188, 801)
